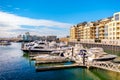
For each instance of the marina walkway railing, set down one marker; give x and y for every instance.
(107, 65)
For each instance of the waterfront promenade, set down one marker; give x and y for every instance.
(104, 46)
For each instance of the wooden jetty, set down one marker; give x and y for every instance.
(110, 66)
(58, 67)
(51, 60)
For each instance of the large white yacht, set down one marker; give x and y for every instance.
(98, 54)
(41, 46)
(92, 54)
(38, 46)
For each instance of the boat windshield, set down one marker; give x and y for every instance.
(41, 43)
(39, 47)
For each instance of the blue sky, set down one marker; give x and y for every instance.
(56, 16)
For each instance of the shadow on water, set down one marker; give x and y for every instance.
(26, 55)
(53, 64)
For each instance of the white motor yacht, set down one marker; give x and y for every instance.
(98, 54)
(37, 46)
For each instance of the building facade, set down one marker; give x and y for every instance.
(112, 35)
(73, 33)
(105, 31)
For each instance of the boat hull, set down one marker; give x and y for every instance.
(36, 50)
(104, 59)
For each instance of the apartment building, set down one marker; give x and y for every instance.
(100, 29)
(80, 29)
(73, 33)
(105, 31)
(112, 29)
(89, 33)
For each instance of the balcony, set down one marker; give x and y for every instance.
(101, 35)
(118, 24)
(101, 25)
(101, 31)
(101, 28)
(118, 28)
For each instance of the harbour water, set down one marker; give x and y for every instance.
(16, 66)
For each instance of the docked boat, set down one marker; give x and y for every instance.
(5, 43)
(41, 46)
(41, 59)
(78, 54)
(37, 46)
(98, 54)
(57, 52)
(74, 53)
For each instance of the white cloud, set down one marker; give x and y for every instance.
(11, 25)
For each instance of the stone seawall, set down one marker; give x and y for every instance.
(104, 46)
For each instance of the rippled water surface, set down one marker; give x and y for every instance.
(15, 66)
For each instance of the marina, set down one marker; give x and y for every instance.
(59, 40)
(94, 57)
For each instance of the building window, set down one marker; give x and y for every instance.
(117, 33)
(110, 29)
(113, 33)
(116, 17)
(113, 29)
(118, 28)
(110, 33)
(113, 24)
(106, 34)
(118, 23)
(117, 37)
